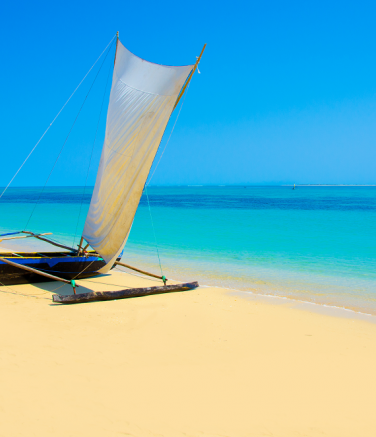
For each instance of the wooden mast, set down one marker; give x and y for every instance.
(79, 246)
(117, 41)
(189, 78)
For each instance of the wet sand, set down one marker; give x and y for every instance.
(207, 362)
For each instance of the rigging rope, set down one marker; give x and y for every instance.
(52, 122)
(91, 156)
(147, 183)
(155, 237)
(66, 139)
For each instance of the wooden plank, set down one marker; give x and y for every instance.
(117, 263)
(38, 272)
(122, 294)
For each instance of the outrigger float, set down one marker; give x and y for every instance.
(142, 99)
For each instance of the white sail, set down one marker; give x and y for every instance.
(142, 98)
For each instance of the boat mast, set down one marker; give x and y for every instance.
(189, 78)
(117, 41)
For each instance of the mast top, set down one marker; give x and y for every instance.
(117, 40)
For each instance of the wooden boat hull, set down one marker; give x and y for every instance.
(121, 294)
(63, 265)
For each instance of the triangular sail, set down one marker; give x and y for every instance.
(142, 98)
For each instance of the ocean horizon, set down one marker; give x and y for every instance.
(316, 243)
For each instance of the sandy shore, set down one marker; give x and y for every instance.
(200, 363)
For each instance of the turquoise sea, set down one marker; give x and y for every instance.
(315, 244)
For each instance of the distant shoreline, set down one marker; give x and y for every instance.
(329, 185)
(91, 187)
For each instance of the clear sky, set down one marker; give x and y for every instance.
(286, 92)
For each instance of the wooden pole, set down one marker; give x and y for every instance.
(23, 236)
(117, 40)
(189, 78)
(49, 241)
(38, 272)
(80, 245)
(117, 263)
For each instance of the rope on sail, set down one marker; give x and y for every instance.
(66, 139)
(52, 122)
(147, 183)
(155, 236)
(91, 156)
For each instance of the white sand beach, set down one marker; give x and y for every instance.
(205, 362)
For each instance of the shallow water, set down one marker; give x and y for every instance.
(316, 244)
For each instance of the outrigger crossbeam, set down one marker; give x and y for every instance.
(38, 272)
(163, 278)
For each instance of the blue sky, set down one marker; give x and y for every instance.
(286, 94)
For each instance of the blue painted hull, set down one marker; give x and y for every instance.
(62, 265)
